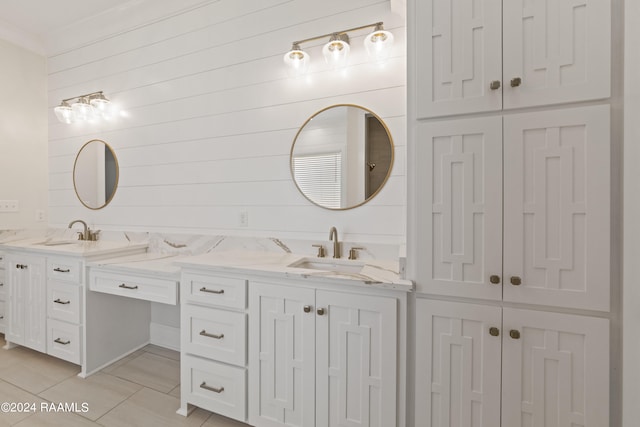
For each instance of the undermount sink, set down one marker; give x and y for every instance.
(328, 264)
(56, 242)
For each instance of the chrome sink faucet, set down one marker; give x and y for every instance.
(333, 235)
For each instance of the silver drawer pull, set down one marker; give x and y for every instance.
(59, 301)
(123, 286)
(213, 389)
(59, 270)
(204, 333)
(59, 341)
(212, 291)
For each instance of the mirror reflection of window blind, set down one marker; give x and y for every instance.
(319, 176)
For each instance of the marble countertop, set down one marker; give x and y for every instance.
(376, 273)
(146, 263)
(80, 248)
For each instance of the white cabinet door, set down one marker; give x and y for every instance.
(460, 200)
(458, 353)
(27, 297)
(357, 342)
(458, 54)
(281, 355)
(556, 208)
(555, 370)
(560, 50)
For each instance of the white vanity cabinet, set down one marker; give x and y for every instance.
(485, 56)
(49, 309)
(3, 293)
(480, 364)
(322, 357)
(516, 208)
(213, 343)
(64, 308)
(26, 310)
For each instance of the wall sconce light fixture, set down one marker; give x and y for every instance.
(336, 52)
(89, 107)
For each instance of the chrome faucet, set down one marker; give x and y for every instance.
(333, 235)
(86, 234)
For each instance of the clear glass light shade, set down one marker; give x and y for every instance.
(336, 52)
(64, 113)
(378, 45)
(82, 110)
(297, 61)
(99, 102)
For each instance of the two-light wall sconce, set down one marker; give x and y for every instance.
(85, 108)
(336, 52)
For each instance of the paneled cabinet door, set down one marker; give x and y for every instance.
(356, 346)
(477, 56)
(556, 208)
(460, 200)
(459, 56)
(555, 369)
(281, 355)
(26, 306)
(458, 353)
(556, 51)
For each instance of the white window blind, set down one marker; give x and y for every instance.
(319, 176)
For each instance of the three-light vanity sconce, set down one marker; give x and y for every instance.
(336, 52)
(85, 108)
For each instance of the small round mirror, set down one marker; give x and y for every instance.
(95, 174)
(342, 156)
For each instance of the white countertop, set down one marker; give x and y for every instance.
(79, 248)
(146, 263)
(376, 273)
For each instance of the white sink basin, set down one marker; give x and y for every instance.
(328, 264)
(56, 242)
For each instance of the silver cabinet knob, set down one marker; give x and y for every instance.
(494, 85)
(307, 309)
(514, 334)
(321, 311)
(516, 81)
(494, 279)
(515, 280)
(494, 332)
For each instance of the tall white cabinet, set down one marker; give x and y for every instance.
(511, 247)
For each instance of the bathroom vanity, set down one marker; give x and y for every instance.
(280, 339)
(47, 305)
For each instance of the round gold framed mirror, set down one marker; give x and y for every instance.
(342, 156)
(95, 174)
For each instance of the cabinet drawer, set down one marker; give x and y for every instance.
(215, 334)
(3, 315)
(215, 387)
(3, 285)
(214, 290)
(139, 287)
(64, 301)
(63, 340)
(62, 269)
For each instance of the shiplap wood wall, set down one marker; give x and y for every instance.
(212, 114)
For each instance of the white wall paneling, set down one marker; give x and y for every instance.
(212, 115)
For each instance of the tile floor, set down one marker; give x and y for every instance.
(141, 390)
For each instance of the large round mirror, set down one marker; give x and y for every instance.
(95, 174)
(342, 156)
